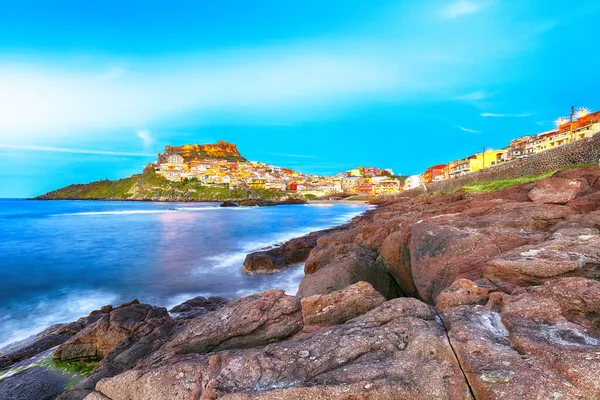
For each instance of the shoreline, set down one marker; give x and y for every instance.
(275, 245)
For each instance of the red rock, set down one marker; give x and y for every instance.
(535, 345)
(395, 257)
(396, 351)
(340, 306)
(562, 256)
(246, 322)
(344, 265)
(462, 292)
(98, 339)
(442, 254)
(292, 252)
(558, 190)
(585, 204)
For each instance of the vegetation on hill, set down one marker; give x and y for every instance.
(150, 186)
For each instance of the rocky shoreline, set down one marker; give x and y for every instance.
(452, 296)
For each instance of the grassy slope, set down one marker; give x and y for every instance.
(484, 187)
(151, 186)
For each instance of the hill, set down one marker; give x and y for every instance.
(149, 186)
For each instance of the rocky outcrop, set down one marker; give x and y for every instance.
(247, 322)
(228, 204)
(558, 190)
(47, 339)
(540, 344)
(395, 351)
(500, 299)
(292, 252)
(198, 306)
(195, 152)
(340, 306)
(100, 338)
(344, 265)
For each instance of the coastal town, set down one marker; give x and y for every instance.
(221, 165)
(581, 124)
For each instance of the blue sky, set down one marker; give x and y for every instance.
(91, 92)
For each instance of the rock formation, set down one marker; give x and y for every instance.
(191, 152)
(452, 296)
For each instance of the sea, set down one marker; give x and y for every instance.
(59, 260)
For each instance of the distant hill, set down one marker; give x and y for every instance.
(149, 186)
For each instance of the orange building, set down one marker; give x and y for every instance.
(435, 173)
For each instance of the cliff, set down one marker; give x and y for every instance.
(150, 186)
(452, 296)
(192, 152)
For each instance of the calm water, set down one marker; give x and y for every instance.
(61, 259)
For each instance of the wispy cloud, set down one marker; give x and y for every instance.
(494, 115)
(460, 8)
(75, 151)
(48, 98)
(473, 96)
(293, 155)
(145, 136)
(462, 128)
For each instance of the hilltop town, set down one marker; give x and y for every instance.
(222, 165)
(581, 125)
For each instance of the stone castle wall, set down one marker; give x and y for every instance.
(580, 152)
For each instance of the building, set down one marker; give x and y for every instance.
(412, 182)
(435, 173)
(371, 171)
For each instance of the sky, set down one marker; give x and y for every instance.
(94, 90)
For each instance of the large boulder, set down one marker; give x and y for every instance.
(441, 254)
(395, 257)
(340, 306)
(558, 190)
(570, 252)
(249, 321)
(98, 339)
(540, 344)
(396, 351)
(345, 265)
(292, 252)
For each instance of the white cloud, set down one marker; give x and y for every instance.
(460, 8)
(46, 99)
(494, 115)
(75, 151)
(462, 128)
(145, 136)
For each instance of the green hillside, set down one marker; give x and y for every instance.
(150, 186)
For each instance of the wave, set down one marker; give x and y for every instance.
(120, 212)
(21, 324)
(287, 280)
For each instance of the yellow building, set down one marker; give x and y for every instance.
(476, 162)
(486, 160)
(356, 172)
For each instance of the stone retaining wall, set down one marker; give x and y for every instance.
(580, 152)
